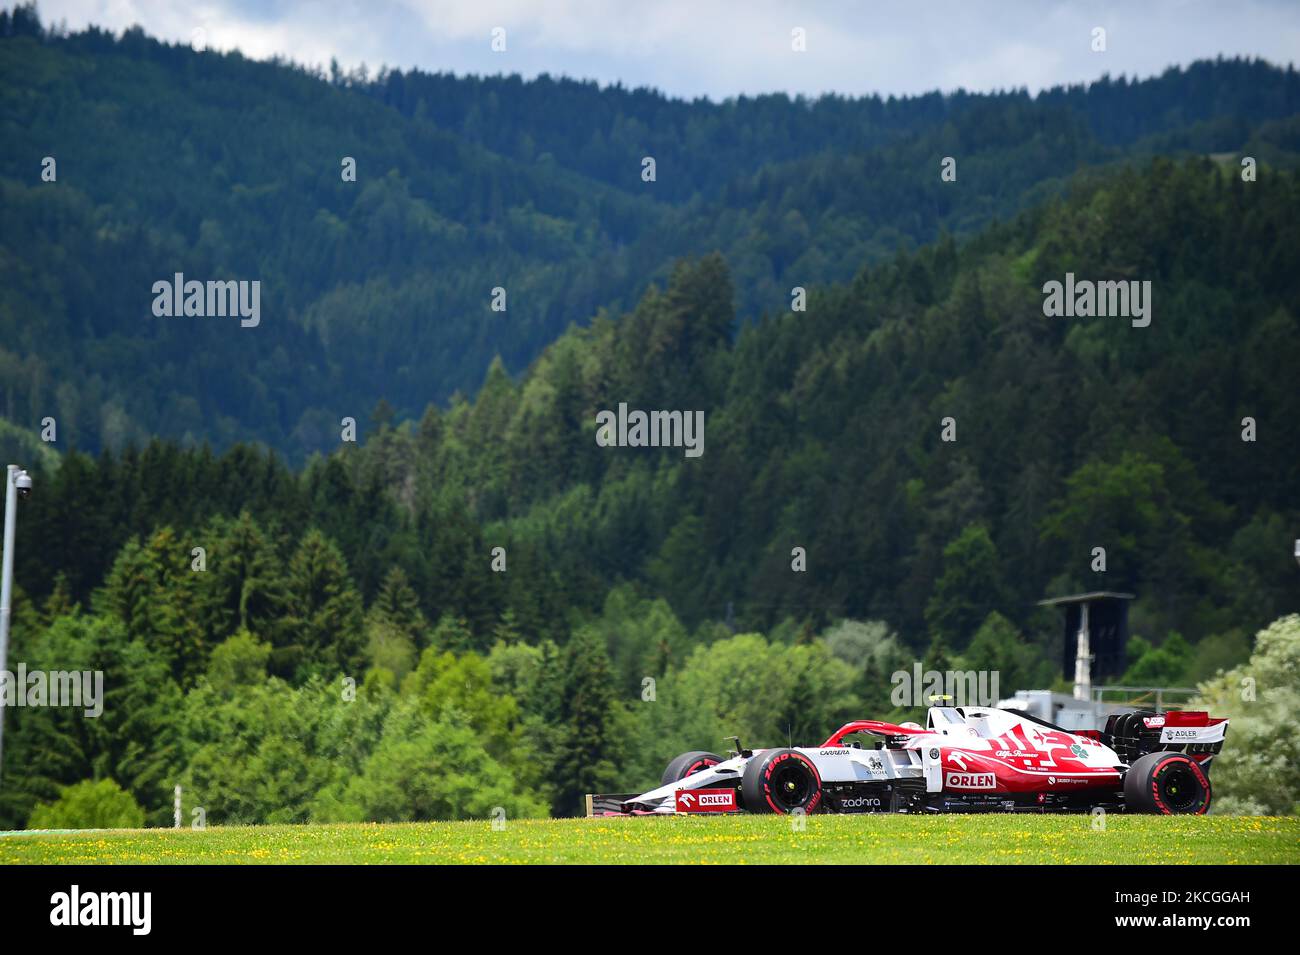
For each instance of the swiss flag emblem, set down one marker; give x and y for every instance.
(706, 800)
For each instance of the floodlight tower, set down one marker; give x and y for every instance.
(18, 483)
(1096, 624)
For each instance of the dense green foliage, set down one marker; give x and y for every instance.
(219, 168)
(1259, 770)
(348, 650)
(89, 805)
(823, 432)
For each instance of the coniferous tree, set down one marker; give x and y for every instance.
(323, 627)
(592, 741)
(398, 605)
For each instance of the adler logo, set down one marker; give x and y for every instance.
(970, 781)
(75, 907)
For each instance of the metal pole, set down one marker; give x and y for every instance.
(6, 592)
(1083, 658)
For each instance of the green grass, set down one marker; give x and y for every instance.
(971, 839)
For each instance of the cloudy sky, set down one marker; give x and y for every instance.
(719, 49)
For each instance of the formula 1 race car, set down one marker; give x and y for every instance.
(965, 759)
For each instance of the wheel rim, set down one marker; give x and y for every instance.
(1180, 788)
(790, 785)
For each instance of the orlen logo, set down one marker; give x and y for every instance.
(706, 800)
(970, 781)
(1152, 722)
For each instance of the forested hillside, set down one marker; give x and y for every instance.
(218, 167)
(823, 431)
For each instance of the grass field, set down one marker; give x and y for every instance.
(724, 839)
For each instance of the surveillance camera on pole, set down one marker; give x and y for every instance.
(18, 483)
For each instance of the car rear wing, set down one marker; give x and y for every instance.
(1135, 734)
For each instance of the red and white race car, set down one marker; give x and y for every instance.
(965, 759)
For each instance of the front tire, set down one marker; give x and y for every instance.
(1167, 784)
(688, 764)
(781, 781)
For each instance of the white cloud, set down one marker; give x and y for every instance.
(697, 47)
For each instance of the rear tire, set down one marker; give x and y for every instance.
(781, 781)
(1167, 784)
(688, 764)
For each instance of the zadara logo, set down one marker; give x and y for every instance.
(860, 802)
(970, 781)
